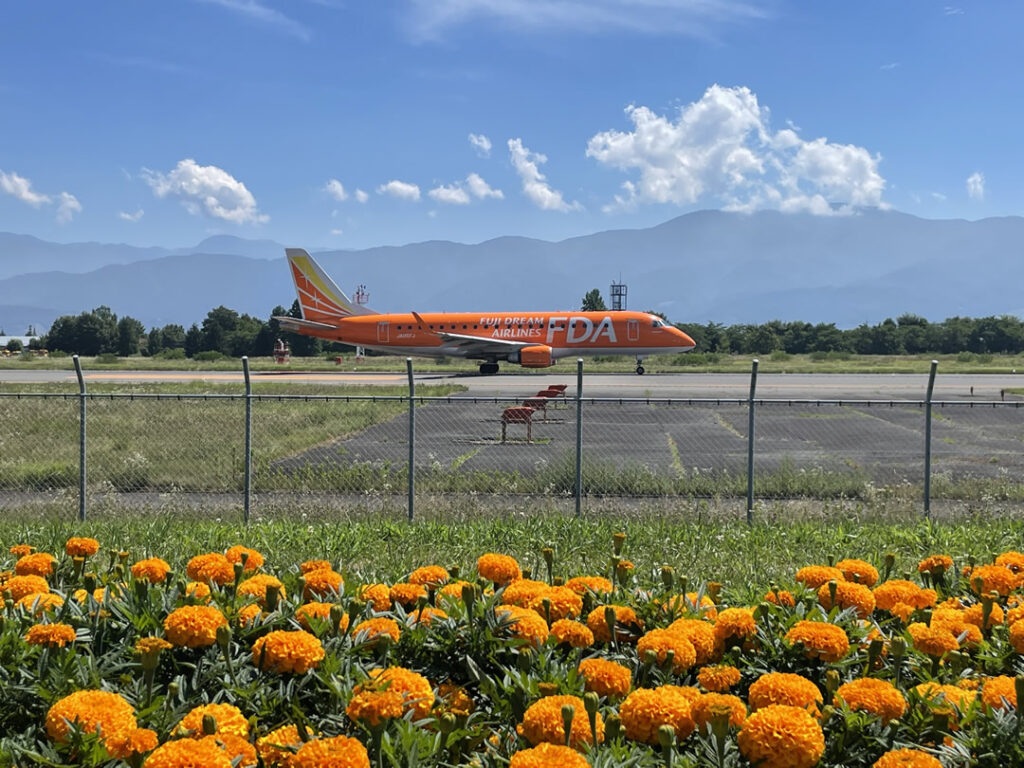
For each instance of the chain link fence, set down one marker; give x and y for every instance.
(148, 451)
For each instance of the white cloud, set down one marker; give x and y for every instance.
(400, 189)
(452, 195)
(976, 186)
(890, 65)
(481, 189)
(336, 189)
(481, 144)
(67, 208)
(938, 196)
(132, 217)
(952, 10)
(337, 231)
(21, 188)
(535, 185)
(361, 197)
(722, 147)
(206, 189)
(265, 15)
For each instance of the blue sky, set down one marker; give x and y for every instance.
(347, 124)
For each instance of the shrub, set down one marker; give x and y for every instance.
(209, 356)
(174, 353)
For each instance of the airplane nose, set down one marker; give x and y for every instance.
(685, 339)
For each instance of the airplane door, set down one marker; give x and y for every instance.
(384, 332)
(633, 330)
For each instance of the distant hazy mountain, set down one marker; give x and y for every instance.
(703, 266)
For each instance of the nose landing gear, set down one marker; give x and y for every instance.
(639, 366)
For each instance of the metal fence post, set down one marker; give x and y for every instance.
(579, 437)
(81, 439)
(928, 441)
(412, 440)
(750, 443)
(248, 441)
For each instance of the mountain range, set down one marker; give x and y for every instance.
(698, 267)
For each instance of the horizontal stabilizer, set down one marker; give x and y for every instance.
(296, 325)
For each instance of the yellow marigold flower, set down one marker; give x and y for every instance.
(933, 563)
(735, 624)
(813, 576)
(718, 679)
(577, 635)
(377, 595)
(645, 710)
(235, 747)
(188, 753)
(320, 612)
(597, 584)
(501, 569)
(375, 699)
(895, 591)
(229, 720)
(1012, 560)
(197, 590)
(848, 595)
(249, 614)
(935, 640)
(606, 678)
(81, 546)
(565, 604)
(705, 706)
(906, 758)
(994, 578)
(626, 623)
(38, 564)
(521, 591)
(546, 755)
(782, 597)
(430, 576)
(858, 571)
(152, 569)
(102, 712)
(256, 586)
(1017, 635)
(784, 688)
(542, 722)
(661, 641)
(406, 594)
(322, 583)
(372, 629)
(20, 550)
(879, 697)
(820, 640)
(53, 635)
(210, 568)
(39, 603)
(781, 737)
(276, 747)
(701, 635)
(253, 562)
(999, 692)
(282, 651)
(335, 752)
(526, 624)
(19, 586)
(193, 626)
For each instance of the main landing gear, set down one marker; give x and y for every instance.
(639, 366)
(488, 369)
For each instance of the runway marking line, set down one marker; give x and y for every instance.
(333, 377)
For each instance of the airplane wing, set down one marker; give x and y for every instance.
(475, 345)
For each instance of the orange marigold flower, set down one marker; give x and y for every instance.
(38, 564)
(999, 692)
(701, 635)
(718, 679)
(935, 640)
(188, 753)
(645, 710)
(895, 591)
(526, 624)
(53, 635)
(955, 621)
(282, 651)
(596, 584)
(430, 576)
(1012, 560)
(735, 624)
(542, 722)
(406, 594)
(256, 586)
(141, 740)
(521, 591)
(102, 712)
(813, 576)
(198, 591)
(858, 571)
(320, 612)
(564, 603)
(152, 569)
(879, 697)
(906, 758)
(782, 597)
(973, 615)
(193, 626)
(81, 546)
(253, 561)
(577, 635)
(626, 623)
(453, 698)
(322, 583)
(546, 755)
(276, 747)
(606, 678)
(249, 614)
(501, 569)
(661, 641)
(994, 578)
(705, 706)
(425, 615)
(335, 752)
(933, 563)
(453, 590)
(848, 595)
(784, 688)
(39, 603)
(411, 690)
(20, 550)
(781, 737)
(702, 605)
(1017, 635)
(229, 720)
(210, 568)
(820, 640)
(373, 629)
(19, 586)
(150, 645)
(240, 752)
(373, 707)
(937, 694)
(1014, 612)
(377, 595)
(315, 565)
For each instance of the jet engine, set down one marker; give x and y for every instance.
(535, 356)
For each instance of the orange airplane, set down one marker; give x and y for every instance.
(531, 339)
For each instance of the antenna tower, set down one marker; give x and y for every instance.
(362, 296)
(618, 296)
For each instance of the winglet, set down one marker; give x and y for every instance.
(320, 299)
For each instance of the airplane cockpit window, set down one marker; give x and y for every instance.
(657, 323)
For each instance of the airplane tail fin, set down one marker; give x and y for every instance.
(320, 299)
